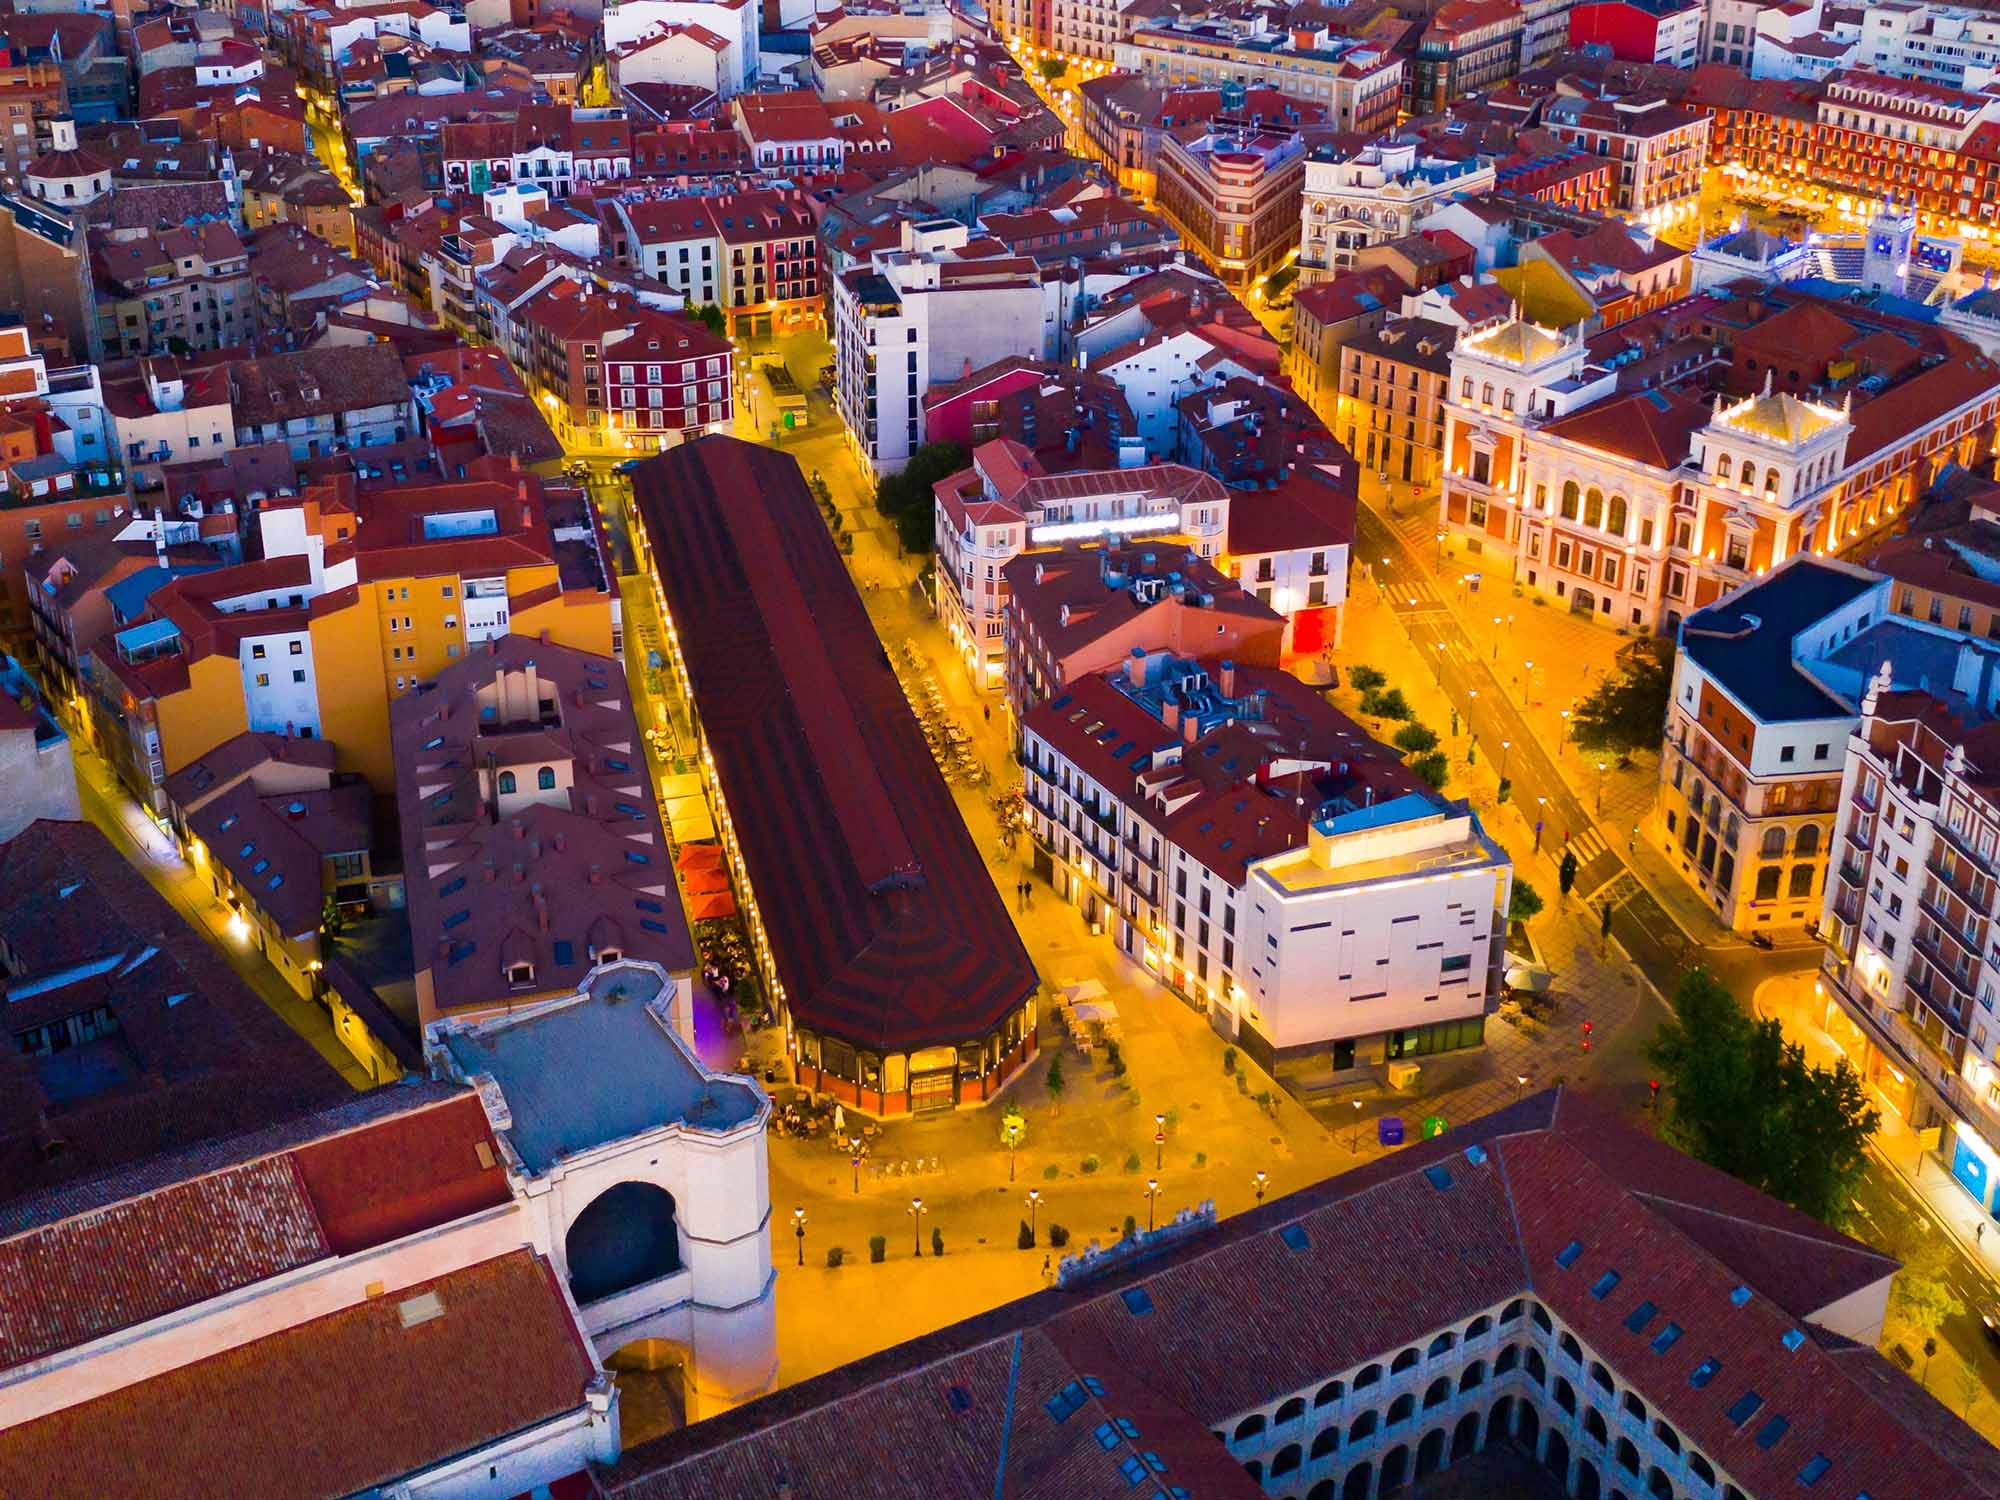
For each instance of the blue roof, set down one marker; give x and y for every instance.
(1381, 815)
(129, 594)
(1744, 641)
(152, 633)
(582, 1073)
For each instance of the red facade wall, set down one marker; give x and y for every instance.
(1630, 33)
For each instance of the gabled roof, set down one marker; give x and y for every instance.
(1650, 427)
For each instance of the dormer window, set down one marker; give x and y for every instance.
(523, 973)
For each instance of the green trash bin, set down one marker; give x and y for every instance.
(1433, 1125)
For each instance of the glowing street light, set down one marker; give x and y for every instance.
(854, 1157)
(917, 1212)
(1159, 1141)
(1260, 1182)
(1034, 1208)
(1152, 1197)
(799, 1229)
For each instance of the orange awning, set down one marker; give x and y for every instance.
(697, 856)
(713, 904)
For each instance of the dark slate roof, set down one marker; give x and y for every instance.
(1744, 642)
(885, 927)
(1199, 1330)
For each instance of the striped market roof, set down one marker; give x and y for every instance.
(885, 927)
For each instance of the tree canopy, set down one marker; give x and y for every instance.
(906, 498)
(1628, 711)
(1742, 1098)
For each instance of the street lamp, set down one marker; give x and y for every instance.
(1152, 1197)
(1159, 1141)
(799, 1230)
(854, 1152)
(1440, 535)
(1505, 746)
(1565, 732)
(1260, 1182)
(917, 1211)
(1600, 786)
(1520, 1084)
(1355, 1144)
(1540, 804)
(1034, 1208)
(1496, 638)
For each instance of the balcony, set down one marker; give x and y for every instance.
(1850, 874)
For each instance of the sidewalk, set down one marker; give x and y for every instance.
(1548, 661)
(1792, 1001)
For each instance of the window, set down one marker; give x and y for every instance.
(263, 679)
(298, 648)
(507, 783)
(545, 779)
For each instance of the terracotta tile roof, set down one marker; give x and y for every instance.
(402, 1175)
(884, 924)
(79, 1279)
(1650, 427)
(345, 1403)
(555, 881)
(1230, 1319)
(201, 1053)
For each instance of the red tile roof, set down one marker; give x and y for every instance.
(80, 1278)
(1649, 427)
(402, 1175)
(885, 926)
(1267, 1304)
(345, 1403)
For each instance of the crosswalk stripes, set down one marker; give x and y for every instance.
(1586, 843)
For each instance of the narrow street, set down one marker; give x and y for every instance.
(152, 853)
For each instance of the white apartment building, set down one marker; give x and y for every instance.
(1004, 505)
(919, 314)
(1912, 917)
(1359, 83)
(1356, 199)
(735, 21)
(677, 241)
(1277, 868)
(1956, 46)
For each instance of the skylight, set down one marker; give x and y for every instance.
(1704, 1372)
(1666, 1338)
(1771, 1431)
(1437, 1176)
(1137, 1302)
(1640, 1316)
(1294, 1236)
(1604, 1285)
(1569, 1254)
(1815, 1469)
(1744, 1407)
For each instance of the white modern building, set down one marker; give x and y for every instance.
(735, 21)
(920, 314)
(1269, 861)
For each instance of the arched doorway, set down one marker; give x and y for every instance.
(652, 1380)
(1465, 1437)
(1430, 1453)
(1588, 1485)
(1395, 1469)
(1556, 1459)
(625, 1238)
(1359, 1479)
(1500, 1423)
(1582, 602)
(1530, 1430)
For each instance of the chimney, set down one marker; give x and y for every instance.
(1228, 678)
(1170, 714)
(1190, 727)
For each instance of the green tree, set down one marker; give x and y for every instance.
(1053, 1080)
(916, 529)
(1366, 679)
(1566, 871)
(1745, 1100)
(332, 920)
(910, 490)
(1415, 739)
(1053, 68)
(1921, 1296)
(1525, 904)
(716, 320)
(1432, 770)
(1629, 711)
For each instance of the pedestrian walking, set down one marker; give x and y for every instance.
(988, 708)
(1632, 840)
(1048, 1272)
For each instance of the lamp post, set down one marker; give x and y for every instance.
(1034, 1208)
(1505, 746)
(1159, 1141)
(854, 1156)
(917, 1212)
(1496, 638)
(1520, 1084)
(799, 1232)
(1600, 786)
(1440, 547)
(1260, 1182)
(1565, 732)
(1355, 1144)
(1152, 1196)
